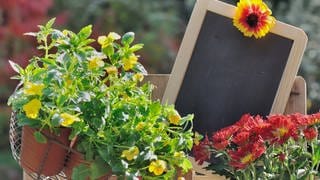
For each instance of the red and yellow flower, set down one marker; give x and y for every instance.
(245, 155)
(310, 133)
(253, 18)
(221, 138)
(281, 129)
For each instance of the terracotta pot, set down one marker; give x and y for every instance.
(44, 158)
(74, 159)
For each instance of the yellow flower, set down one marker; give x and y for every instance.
(33, 89)
(253, 18)
(95, 62)
(128, 63)
(197, 138)
(140, 126)
(32, 108)
(179, 154)
(112, 70)
(138, 77)
(130, 154)
(158, 167)
(174, 117)
(68, 119)
(105, 41)
(181, 178)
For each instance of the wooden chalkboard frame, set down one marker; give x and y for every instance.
(297, 35)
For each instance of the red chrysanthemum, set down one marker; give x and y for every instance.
(299, 119)
(201, 151)
(313, 119)
(281, 129)
(310, 133)
(221, 138)
(241, 138)
(247, 154)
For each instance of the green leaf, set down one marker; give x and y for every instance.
(48, 61)
(136, 47)
(109, 50)
(55, 120)
(50, 23)
(127, 38)
(40, 137)
(139, 68)
(99, 168)
(24, 121)
(186, 165)
(81, 172)
(85, 32)
(16, 67)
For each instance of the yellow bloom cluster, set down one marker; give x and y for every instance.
(130, 154)
(140, 126)
(33, 89)
(68, 119)
(158, 167)
(32, 108)
(179, 154)
(128, 63)
(138, 77)
(112, 70)
(174, 117)
(105, 41)
(95, 62)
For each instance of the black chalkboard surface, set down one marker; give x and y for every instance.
(230, 74)
(219, 74)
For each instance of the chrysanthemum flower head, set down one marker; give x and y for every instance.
(247, 154)
(253, 18)
(281, 129)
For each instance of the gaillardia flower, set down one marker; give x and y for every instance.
(253, 18)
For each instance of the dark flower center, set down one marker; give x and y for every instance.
(252, 20)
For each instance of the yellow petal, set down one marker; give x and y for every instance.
(32, 108)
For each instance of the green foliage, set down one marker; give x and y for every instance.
(98, 95)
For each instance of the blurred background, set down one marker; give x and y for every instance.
(159, 24)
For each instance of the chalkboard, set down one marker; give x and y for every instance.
(219, 74)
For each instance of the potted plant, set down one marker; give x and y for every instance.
(278, 147)
(98, 94)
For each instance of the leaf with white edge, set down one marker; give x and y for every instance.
(16, 67)
(85, 32)
(34, 34)
(139, 68)
(127, 38)
(136, 47)
(50, 23)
